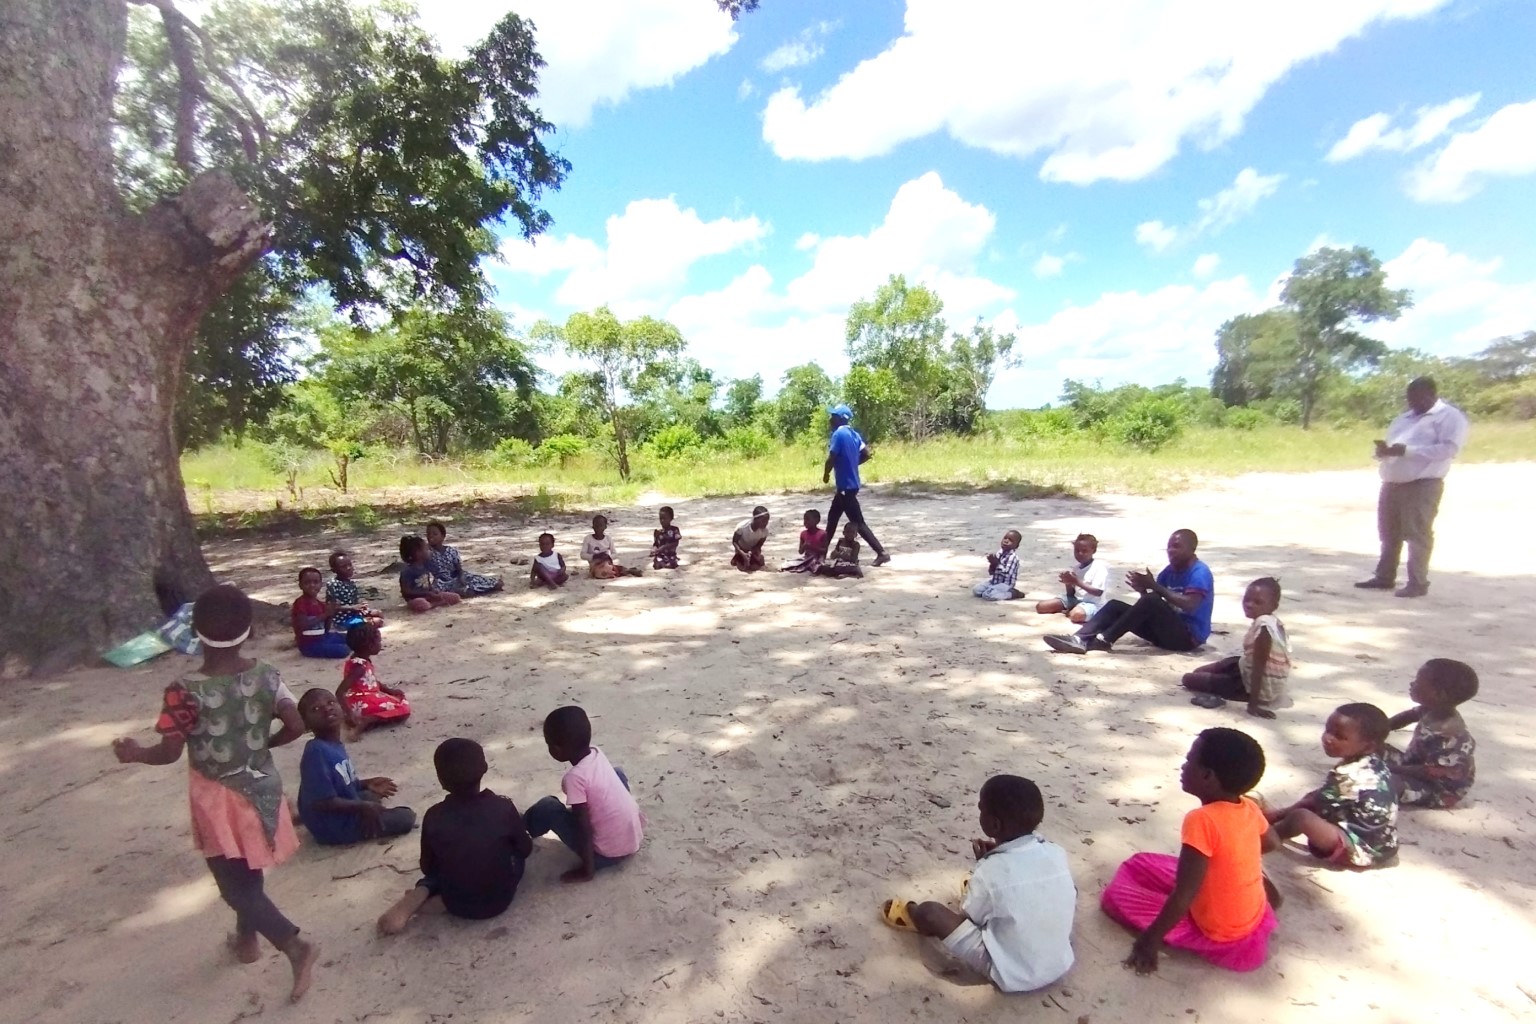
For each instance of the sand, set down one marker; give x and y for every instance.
(804, 748)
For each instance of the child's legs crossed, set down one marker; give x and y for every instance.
(551, 815)
(1223, 678)
(1324, 838)
(242, 888)
(419, 604)
(1051, 606)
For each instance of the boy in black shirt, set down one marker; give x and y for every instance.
(473, 845)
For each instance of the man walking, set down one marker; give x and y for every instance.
(1414, 459)
(845, 454)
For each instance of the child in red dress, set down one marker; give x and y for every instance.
(367, 701)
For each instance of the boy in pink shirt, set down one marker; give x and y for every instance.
(602, 824)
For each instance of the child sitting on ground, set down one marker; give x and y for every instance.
(344, 598)
(310, 619)
(813, 545)
(845, 556)
(747, 542)
(365, 701)
(598, 552)
(1086, 583)
(335, 805)
(1438, 767)
(1352, 820)
(602, 824)
(1015, 924)
(1004, 567)
(473, 845)
(664, 541)
(548, 569)
(416, 583)
(1258, 675)
(1213, 899)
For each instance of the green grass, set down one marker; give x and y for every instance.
(228, 479)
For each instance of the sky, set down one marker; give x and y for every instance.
(1108, 180)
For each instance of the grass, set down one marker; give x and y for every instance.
(227, 482)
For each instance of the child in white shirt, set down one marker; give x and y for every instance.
(598, 552)
(1086, 583)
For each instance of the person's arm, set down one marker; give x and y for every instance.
(1093, 586)
(562, 561)
(1450, 436)
(1262, 646)
(318, 781)
(1403, 719)
(167, 751)
(1186, 883)
(1269, 842)
(522, 842)
(1188, 601)
(826, 469)
(584, 847)
(409, 588)
(293, 725)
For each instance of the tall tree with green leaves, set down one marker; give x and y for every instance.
(804, 393)
(1256, 354)
(901, 331)
(619, 353)
(1330, 294)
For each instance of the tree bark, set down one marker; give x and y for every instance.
(98, 307)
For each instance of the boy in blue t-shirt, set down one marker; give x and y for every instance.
(846, 452)
(1173, 612)
(335, 805)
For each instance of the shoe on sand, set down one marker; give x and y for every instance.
(1375, 583)
(1067, 644)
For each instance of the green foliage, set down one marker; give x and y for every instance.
(747, 443)
(513, 452)
(876, 397)
(1246, 419)
(1148, 423)
(805, 391)
(678, 441)
(561, 449)
(743, 400)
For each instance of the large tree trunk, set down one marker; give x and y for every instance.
(98, 307)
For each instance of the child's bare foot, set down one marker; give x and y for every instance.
(302, 955)
(247, 948)
(394, 920)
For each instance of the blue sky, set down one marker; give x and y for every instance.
(1109, 181)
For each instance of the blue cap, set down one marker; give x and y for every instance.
(841, 411)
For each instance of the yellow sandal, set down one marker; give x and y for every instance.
(898, 914)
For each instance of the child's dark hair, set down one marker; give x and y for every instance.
(1373, 722)
(437, 524)
(1013, 800)
(1270, 584)
(547, 534)
(1087, 538)
(1018, 538)
(310, 696)
(409, 545)
(1455, 681)
(361, 636)
(758, 511)
(222, 613)
(332, 560)
(460, 765)
(813, 514)
(568, 728)
(666, 510)
(305, 572)
(1234, 757)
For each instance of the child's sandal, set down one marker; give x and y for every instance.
(898, 914)
(1208, 700)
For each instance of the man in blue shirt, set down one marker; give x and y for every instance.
(1174, 611)
(846, 452)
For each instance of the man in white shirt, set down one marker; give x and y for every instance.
(1414, 459)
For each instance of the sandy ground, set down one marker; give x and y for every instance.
(803, 749)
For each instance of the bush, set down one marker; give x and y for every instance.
(675, 442)
(1045, 423)
(1281, 410)
(747, 443)
(561, 448)
(1148, 424)
(512, 451)
(1243, 418)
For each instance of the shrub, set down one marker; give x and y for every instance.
(675, 442)
(747, 442)
(1148, 424)
(1045, 423)
(561, 448)
(1243, 418)
(512, 451)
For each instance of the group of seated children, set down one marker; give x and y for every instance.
(320, 626)
(1085, 583)
(1213, 899)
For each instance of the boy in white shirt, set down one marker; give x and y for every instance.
(598, 552)
(1016, 925)
(747, 542)
(1086, 583)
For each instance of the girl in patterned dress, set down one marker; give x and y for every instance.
(448, 570)
(366, 701)
(665, 541)
(222, 717)
(344, 598)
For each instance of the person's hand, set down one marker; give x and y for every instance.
(992, 561)
(1141, 582)
(128, 751)
(368, 815)
(1398, 449)
(826, 477)
(577, 875)
(1143, 958)
(381, 787)
(982, 847)
(1258, 712)
(393, 691)
(1070, 579)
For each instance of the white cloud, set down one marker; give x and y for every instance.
(1049, 266)
(1502, 146)
(1222, 210)
(793, 54)
(1206, 265)
(648, 252)
(1102, 96)
(598, 51)
(809, 240)
(1375, 132)
(1459, 303)
(1156, 235)
(745, 90)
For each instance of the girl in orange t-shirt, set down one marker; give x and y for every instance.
(1213, 899)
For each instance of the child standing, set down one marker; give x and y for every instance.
(1004, 569)
(344, 599)
(747, 542)
(1258, 675)
(1439, 765)
(664, 541)
(222, 716)
(1086, 583)
(845, 556)
(1352, 820)
(602, 824)
(813, 545)
(335, 805)
(548, 567)
(417, 584)
(366, 701)
(473, 845)
(1015, 924)
(598, 552)
(1213, 899)
(311, 617)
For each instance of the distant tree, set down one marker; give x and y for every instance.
(805, 391)
(676, 392)
(1329, 293)
(736, 8)
(619, 353)
(972, 362)
(1254, 354)
(743, 399)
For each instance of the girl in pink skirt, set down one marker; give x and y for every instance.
(1213, 899)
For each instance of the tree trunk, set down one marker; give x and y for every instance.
(618, 439)
(98, 307)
